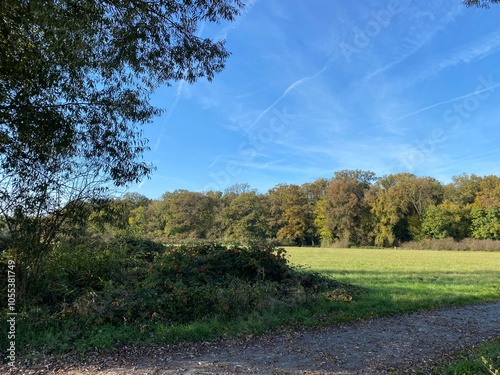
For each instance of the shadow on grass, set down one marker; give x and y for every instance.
(395, 292)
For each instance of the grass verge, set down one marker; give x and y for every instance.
(482, 360)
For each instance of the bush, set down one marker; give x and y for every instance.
(467, 244)
(336, 244)
(131, 283)
(137, 248)
(189, 283)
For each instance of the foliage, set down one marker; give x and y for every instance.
(188, 214)
(449, 243)
(243, 218)
(346, 214)
(75, 82)
(188, 283)
(489, 193)
(352, 209)
(289, 219)
(480, 3)
(314, 209)
(463, 189)
(446, 220)
(130, 285)
(399, 203)
(485, 223)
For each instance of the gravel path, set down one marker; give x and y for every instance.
(378, 346)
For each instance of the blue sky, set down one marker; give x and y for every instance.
(318, 86)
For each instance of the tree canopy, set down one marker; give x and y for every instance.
(76, 77)
(480, 3)
(354, 208)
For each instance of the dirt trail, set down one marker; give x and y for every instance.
(378, 346)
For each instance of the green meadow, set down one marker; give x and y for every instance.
(399, 281)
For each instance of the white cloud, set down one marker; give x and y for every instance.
(464, 54)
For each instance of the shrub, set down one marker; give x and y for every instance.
(188, 283)
(336, 244)
(131, 283)
(467, 244)
(136, 247)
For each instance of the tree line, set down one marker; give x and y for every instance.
(354, 208)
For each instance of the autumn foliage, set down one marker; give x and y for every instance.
(354, 208)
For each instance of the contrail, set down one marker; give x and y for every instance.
(169, 114)
(285, 93)
(215, 161)
(446, 102)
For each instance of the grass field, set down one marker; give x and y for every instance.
(405, 280)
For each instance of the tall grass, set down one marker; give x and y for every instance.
(467, 244)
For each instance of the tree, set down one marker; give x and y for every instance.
(489, 192)
(388, 212)
(75, 82)
(485, 223)
(287, 218)
(463, 189)
(346, 212)
(36, 206)
(315, 193)
(244, 219)
(479, 3)
(446, 220)
(188, 215)
(424, 192)
(237, 189)
(399, 203)
(114, 214)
